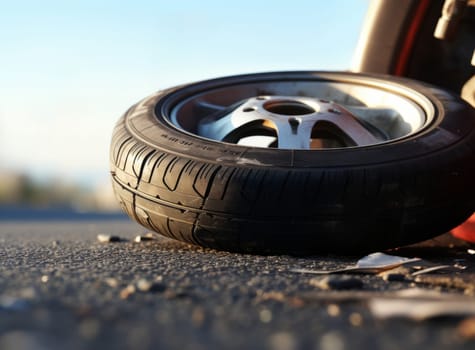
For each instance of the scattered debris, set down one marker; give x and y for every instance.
(280, 297)
(127, 291)
(371, 264)
(448, 282)
(466, 328)
(431, 269)
(414, 303)
(337, 283)
(144, 285)
(103, 238)
(146, 237)
(366, 296)
(420, 304)
(276, 296)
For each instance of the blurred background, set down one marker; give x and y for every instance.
(69, 69)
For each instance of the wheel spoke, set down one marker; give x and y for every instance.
(294, 121)
(229, 123)
(348, 125)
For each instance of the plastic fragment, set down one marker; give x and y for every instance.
(431, 269)
(370, 264)
(448, 282)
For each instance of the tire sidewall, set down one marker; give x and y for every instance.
(453, 121)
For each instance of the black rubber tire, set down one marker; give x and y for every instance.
(263, 200)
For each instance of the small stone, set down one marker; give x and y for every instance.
(265, 315)
(337, 283)
(144, 285)
(127, 291)
(355, 319)
(333, 310)
(103, 238)
(112, 282)
(150, 236)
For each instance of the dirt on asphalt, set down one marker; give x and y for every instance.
(61, 288)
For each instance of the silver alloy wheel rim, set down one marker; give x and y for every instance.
(303, 114)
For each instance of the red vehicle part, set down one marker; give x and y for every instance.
(398, 39)
(466, 231)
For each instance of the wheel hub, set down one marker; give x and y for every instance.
(291, 123)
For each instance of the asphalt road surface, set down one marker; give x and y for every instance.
(60, 288)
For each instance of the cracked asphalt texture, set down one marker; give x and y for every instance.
(62, 289)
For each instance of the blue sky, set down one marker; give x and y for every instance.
(69, 69)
